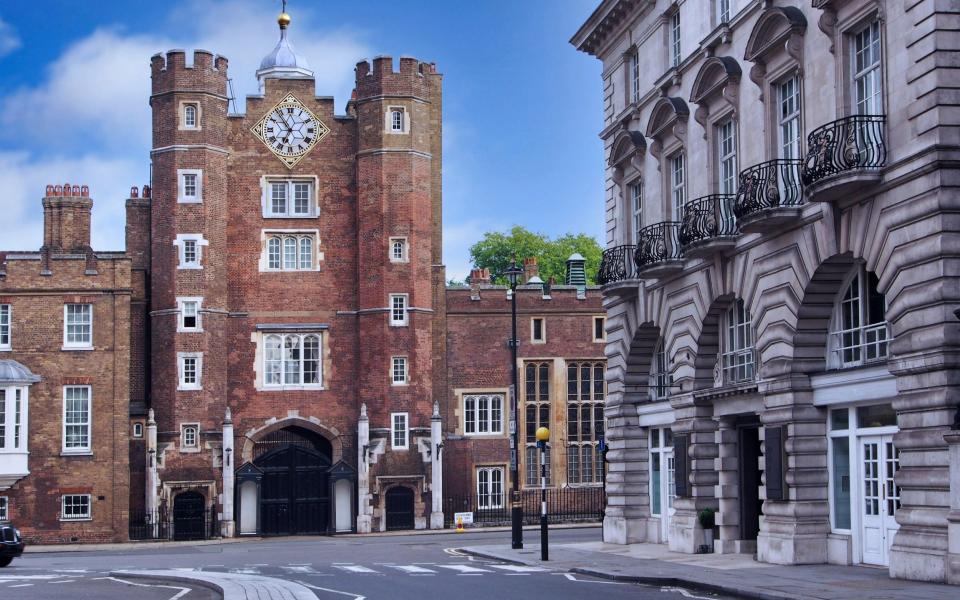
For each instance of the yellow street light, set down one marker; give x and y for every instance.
(543, 434)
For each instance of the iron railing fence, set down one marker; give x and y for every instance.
(617, 264)
(708, 217)
(564, 505)
(771, 184)
(658, 242)
(162, 525)
(852, 143)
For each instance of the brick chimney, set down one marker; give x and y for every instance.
(66, 218)
(478, 277)
(530, 269)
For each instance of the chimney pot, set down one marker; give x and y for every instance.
(134, 192)
(146, 191)
(49, 190)
(85, 191)
(57, 190)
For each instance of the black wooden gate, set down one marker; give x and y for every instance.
(294, 493)
(188, 516)
(399, 508)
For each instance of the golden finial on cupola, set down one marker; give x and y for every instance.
(284, 19)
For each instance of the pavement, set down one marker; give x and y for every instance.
(737, 575)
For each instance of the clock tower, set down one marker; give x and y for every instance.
(297, 320)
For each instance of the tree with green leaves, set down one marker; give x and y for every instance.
(496, 250)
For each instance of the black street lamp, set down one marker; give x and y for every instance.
(513, 273)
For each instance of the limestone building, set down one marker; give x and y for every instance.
(781, 278)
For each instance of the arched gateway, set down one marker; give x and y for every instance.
(294, 488)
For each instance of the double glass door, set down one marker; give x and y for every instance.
(663, 488)
(880, 497)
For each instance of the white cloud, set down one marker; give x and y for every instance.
(9, 41)
(22, 186)
(95, 97)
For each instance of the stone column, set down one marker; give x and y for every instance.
(696, 421)
(227, 522)
(152, 479)
(794, 531)
(436, 469)
(364, 507)
(728, 488)
(953, 517)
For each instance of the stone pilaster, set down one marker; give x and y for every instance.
(794, 531)
(929, 392)
(364, 504)
(436, 469)
(227, 522)
(628, 513)
(727, 490)
(152, 478)
(694, 419)
(953, 517)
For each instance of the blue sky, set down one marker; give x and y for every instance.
(522, 108)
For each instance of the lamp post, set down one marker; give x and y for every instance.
(543, 436)
(513, 273)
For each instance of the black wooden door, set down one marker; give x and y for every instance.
(294, 495)
(399, 508)
(188, 516)
(751, 506)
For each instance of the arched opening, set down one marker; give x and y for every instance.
(188, 516)
(400, 507)
(295, 490)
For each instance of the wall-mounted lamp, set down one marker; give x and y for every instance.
(226, 454)
(439, 448)
(153, 455)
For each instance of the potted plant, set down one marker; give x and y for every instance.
(707, 519)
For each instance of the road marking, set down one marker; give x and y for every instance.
(683, 593)
(298, 569)
(573, 577)
(28, 577)
(243, 571)
(21, 585)
(355, 568)
(413, 569)
(519, 568)
(317, 587)
(183, 591)
(465, 569)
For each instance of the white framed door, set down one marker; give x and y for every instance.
(879, 497)
(670, 493)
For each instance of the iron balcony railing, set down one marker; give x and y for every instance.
(738, 366)
(708, 217)
(617, 264)
(854, 143)
(861, 345)
(659, 242)
(772, 184)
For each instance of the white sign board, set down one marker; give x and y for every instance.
(465, 518)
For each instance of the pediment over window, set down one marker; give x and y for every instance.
(716, 73)
(627, 145)
(776, 27)
(667, 112)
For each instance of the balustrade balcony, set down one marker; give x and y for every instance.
(659, 252)
(618, 269)
(709, 226)
(770, 195)
(844, 156)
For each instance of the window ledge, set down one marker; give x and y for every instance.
(189, 267)
(395, 384)
(189, 389)
(77, 348)
(189, 450)
(392, 324)
(492, 436)
(62, 520)
(6, 349)
(291, 216)
(76, 453)
(288, 388)
(189, 200)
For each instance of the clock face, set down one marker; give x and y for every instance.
(290, 130)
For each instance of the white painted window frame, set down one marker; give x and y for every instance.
(471, 406)
(264, 360)
(68, 345)
(88, 424)
(182, 302)
(182, 197)
(400, 429)
(4, 509)
(267, 184)
(182, 384)
(403, 309)
(404, 253)
(88, 516)
(495, 501)
(267, 234)
(404, 370)
(184, 446)
(12, 420)
(6, 327)
(389, 120)
(533, 330)
(603, 329)
(678, 184)
(180, 242)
